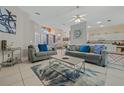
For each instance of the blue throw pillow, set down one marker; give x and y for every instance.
(43, 47)
(84, 48)
(98, 49)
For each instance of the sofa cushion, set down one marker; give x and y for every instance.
(51, 53)
(37, 49)
(98, 49)
(76, 54)
(42, 47)
(84, 48)
(77, 47)
(40, 54)
(50, 48)
(82, 54)
(93, 58)
(89, 57)
(91, 49)
(72, 47)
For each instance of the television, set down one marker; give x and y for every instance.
(7, 21)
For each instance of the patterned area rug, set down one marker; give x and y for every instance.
(60, 75)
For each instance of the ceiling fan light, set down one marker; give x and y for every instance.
(84, 15)
(77, 20)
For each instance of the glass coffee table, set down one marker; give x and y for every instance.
(76, 64)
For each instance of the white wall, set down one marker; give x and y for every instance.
(83, 38)
(114, 32)
(113, 36)
(24, 30)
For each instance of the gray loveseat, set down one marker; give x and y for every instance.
(90, 57)
(34, 56)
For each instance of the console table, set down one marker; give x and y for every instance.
(76, 64)
(120, 48)
(12, 60)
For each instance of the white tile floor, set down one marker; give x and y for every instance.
(19, 74)
(22, 75)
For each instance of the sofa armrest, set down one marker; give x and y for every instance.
(104, 60)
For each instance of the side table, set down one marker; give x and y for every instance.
(11, 61)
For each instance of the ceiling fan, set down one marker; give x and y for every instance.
(78, 18)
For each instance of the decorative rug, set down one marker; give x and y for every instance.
(61, 75)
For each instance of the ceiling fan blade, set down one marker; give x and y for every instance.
(72, 20)
(83, 18)
(74, 17)
(83, 15)
(79, 17)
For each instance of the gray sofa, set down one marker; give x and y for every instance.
(90, 57)
(34, 56)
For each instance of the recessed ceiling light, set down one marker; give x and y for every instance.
(109, 20)
(88, 26)
(101, 25)
(37, 13)
(99, 22)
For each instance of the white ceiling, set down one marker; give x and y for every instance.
(58, 15)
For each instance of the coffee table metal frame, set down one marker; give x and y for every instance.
(77, 67)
